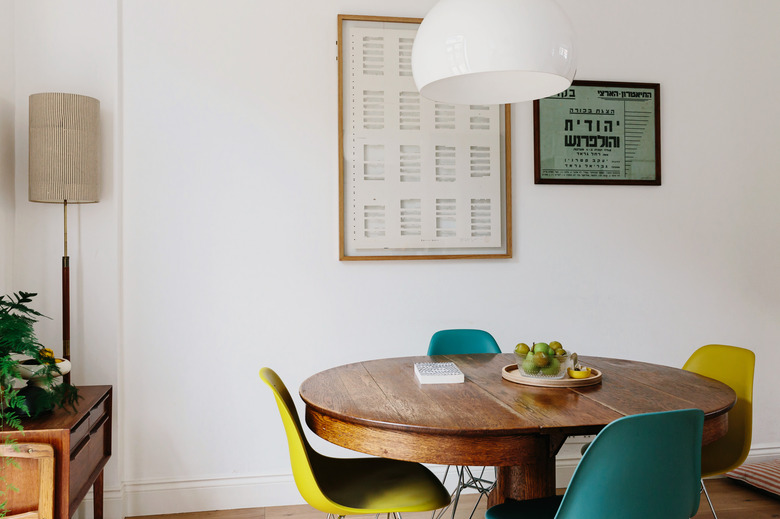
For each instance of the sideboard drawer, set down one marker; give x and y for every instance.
(87, 457)
(79, 434)
(98, 412)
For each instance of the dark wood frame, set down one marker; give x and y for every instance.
(419, 254)
(612, 85)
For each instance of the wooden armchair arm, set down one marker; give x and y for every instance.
(44, 453)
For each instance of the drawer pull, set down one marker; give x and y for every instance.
(80, 447)
(99, 424)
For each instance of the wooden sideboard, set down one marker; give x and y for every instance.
(82, 447)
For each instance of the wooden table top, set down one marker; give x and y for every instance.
(377, 407)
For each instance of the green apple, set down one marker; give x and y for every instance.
(522, 349)
(541, 359)
(530, 367)
(553, 368)
(541, 346)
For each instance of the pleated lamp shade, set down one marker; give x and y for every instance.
(64, 148)
(493, 51)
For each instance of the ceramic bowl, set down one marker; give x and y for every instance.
(29, 372)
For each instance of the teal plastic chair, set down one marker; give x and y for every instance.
(461, 342)
(353, 486)
(734, 367)
(645, 466)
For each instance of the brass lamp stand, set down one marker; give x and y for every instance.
(63, 169)
(66, 293)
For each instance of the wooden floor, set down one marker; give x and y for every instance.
(731, 500)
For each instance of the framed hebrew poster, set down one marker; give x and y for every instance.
(599, 132)
(418, 179)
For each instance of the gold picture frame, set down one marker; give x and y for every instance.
(417, 179)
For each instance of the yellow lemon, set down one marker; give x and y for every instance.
(582, 373)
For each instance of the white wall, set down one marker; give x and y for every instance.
(214, 250)
(72, 47)
(7, 204)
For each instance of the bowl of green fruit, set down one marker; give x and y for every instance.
(542, 360)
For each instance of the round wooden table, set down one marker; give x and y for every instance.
(378, 407)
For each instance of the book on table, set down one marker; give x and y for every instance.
(438, 373)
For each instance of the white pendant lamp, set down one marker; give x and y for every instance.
(493, 51)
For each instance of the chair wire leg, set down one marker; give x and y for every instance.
(466, 479)
(458, 490)
(475, 506)
(481, 485)
(707, 495)
(437, 514)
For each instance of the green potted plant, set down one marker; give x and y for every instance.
(20, 352)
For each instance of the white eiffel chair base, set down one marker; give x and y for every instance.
(466, 479)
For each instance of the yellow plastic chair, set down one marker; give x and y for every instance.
(733, 366)
(350, 486)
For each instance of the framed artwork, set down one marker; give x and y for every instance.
(417, 179)
(599, 132)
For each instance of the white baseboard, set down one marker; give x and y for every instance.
(566, 461)
(170, 497)
(764, 452)
(569, 456)
(139, 498)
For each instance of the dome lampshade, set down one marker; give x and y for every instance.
(493, 51)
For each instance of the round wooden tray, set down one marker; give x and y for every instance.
(511, 374)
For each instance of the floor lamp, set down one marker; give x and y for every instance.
(64, 160)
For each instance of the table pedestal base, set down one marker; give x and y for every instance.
(528, 481)
(532, 479)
